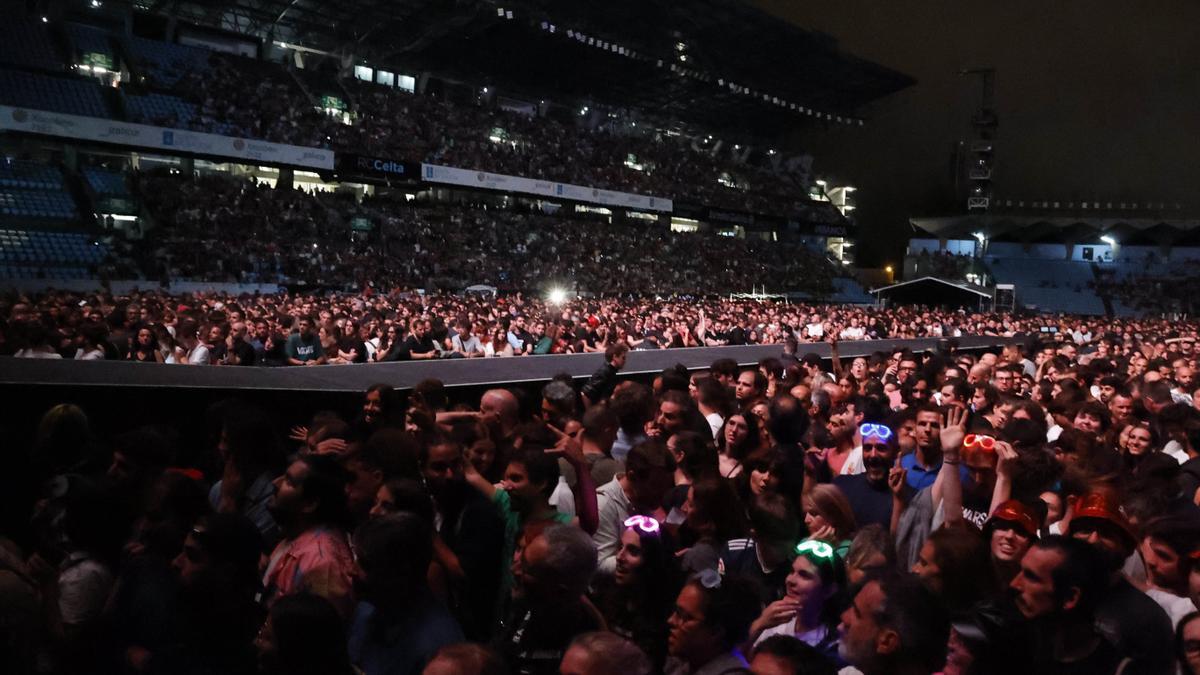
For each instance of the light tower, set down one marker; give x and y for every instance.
(981, 154)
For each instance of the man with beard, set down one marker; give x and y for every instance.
(398, 624)
(868, 492)
(551, 573)
(894, 626)
(1057, 591)
(470, 527)
(218, 574)
(1127, 617)
(313, 556)
(1166, 547)
(303, 348)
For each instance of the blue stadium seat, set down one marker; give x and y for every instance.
(25, 42)
(165, 63)
(69, 95)
(105, 182)
(159, 109)
(31, 254)
(1049, 285)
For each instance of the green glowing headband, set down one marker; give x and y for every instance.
(817, 548)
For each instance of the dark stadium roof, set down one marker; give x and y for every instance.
(1140, 229)
(735, 53)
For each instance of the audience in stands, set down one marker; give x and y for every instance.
(216, 227)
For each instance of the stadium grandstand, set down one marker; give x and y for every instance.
(1080, 257)
(624, 140)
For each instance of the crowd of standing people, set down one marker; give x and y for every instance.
(1031, 508)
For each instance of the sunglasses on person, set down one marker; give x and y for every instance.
(981, 441)
(877, 430)
(644, 523)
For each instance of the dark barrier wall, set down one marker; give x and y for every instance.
(121, 396)
(453, 372)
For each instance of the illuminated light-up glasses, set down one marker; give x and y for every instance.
(817, 548)
(980, 441)
(877, 430)
(644, 523)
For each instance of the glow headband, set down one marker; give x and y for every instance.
(644, 523)
(877, 430)
(817, 548)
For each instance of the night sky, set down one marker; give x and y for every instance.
(1096, 99)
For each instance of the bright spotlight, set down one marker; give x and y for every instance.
(557, 296)
(1108, 240)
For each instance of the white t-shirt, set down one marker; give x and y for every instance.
(853, 333)
(562, 499)
(1175, 606)
(36, 354)
(854, 463)
(198, 356)
(715, 421)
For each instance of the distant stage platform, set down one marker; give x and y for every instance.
(17, 374)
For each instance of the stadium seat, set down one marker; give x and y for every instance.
(165, 63)
(25, 42)
(32, 254)
(69, 95)
(159, 109)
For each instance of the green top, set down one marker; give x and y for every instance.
(512, 530)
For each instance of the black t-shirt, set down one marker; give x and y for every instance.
(975, 508)
(1138, 627)
(533, 641)
(870, 505)
(351, 343)
(245, 353)
(415, 345)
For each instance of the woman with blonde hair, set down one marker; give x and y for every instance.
(829, 518)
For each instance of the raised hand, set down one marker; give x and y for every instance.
(954, 432)
(1006, 464)
(898, 480)
(567, 446)
(299, 433)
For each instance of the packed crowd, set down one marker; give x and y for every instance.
(1027, 510)
(1158, 293)
(378, 325)
(217, 227)
(261, 100)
